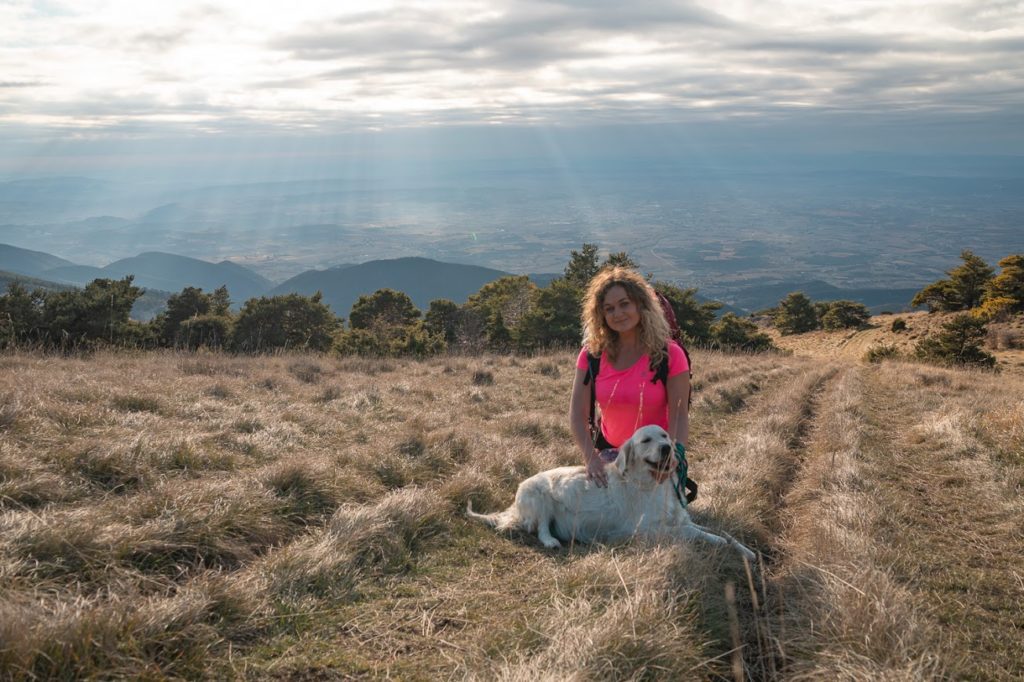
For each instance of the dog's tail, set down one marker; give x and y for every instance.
(500, 520)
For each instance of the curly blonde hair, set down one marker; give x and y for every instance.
(598, 337)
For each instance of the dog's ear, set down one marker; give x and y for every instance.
(625, 457)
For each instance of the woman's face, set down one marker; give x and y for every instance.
(620, 312)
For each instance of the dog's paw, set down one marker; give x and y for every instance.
(551, 543)
(745, 551)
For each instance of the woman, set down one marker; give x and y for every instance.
(624, 325)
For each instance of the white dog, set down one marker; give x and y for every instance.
(562, 503)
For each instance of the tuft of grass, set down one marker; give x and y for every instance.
(471, 484)
(384, 536)
(136, 403)
(271, 384)
(451, 446)
(306, 372)
(247, 425)
(534, 431)
(548, 369)
(30, 489)
(116, 470)
(366, 365)
(413, 446)
(180, 531)
(219, 391)
(10, 411)
(483, 377)
(367, 400)
(327, 395)
(125, 636)
(392, 471)
(308, 494)
(190, 457)
(70, 421)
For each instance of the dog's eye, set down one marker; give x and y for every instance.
(646, 440)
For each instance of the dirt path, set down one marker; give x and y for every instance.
(953, 530)
(897, 538)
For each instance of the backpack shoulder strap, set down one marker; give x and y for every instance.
(593, 367)
(661, 369)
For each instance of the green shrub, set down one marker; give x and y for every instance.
(959, 343)
(899, 325)
(291, 321)
(735, 333)
(97, 314)
(795, 314)
(844, 315)
(210, 331)
(880, 353)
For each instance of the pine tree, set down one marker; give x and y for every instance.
(582, 266)
(694, 318)
(735, 333)
(1008, 285)
(844, 315)
(963, 290)
(795, 314)
(959, 343)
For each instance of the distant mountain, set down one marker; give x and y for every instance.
(767, 295)
(169, 272)
(76, 274)
(423, 279)
(146, 307)
(26, 262)
(30, 283)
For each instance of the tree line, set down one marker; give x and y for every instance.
(509, 314)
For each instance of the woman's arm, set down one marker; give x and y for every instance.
(678, 391)
(579, 413)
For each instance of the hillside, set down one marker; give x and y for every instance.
(852, 344)
(204, 515)
(170, 272)
(7, 278)
(422, 279)
(28, 262)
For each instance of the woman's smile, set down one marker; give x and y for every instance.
(620, 312)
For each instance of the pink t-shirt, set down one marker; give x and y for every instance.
(627, 397)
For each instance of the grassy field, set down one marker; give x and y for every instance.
(207, 516)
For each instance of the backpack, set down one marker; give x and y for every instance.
(684, 485)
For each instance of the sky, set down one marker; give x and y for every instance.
(93, 86)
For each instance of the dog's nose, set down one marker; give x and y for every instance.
(666, 450)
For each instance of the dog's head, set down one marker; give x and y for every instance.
(648, 451)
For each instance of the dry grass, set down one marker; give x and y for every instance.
(200, 515)
(877, 338)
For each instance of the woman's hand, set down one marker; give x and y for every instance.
(595, 470)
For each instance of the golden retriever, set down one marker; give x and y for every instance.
(562, 505)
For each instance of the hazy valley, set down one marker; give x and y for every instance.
(742, 237)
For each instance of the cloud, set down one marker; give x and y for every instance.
(100, 65)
